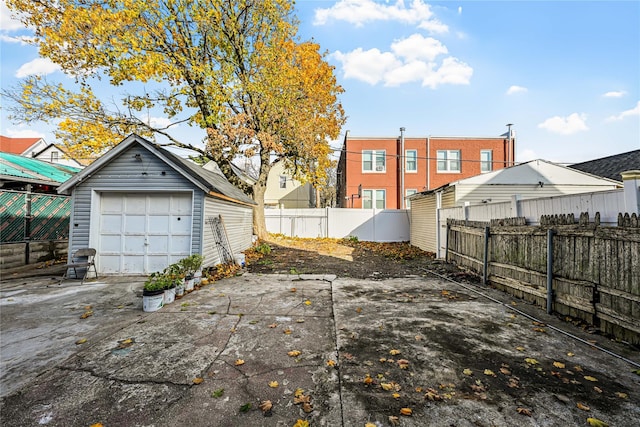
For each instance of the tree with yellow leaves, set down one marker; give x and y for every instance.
(234, 68)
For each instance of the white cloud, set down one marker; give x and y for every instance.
(615, 94)
(452, 71)
(159, 122)
(23, 40)
(417, 47)
(359, 12)
(516, 89)
(565, 125)
(7, 22)
(407, 73)
(23, 133)
(39, 66)
(411, 60)
(459, 10)
(369, 66)
(635, 111)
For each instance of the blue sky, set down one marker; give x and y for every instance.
(565, 73)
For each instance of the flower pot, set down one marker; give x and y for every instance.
(169, 295)
(188, 283)
(180, 290)
(152, 300)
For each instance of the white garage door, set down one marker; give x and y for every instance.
(143, 233)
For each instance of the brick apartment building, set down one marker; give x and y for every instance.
(379, 172)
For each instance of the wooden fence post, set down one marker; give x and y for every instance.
(485, 263)
(550, 233)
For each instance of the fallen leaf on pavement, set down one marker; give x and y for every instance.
(273, 325)
(301, 423)
(81, 341)
(590, 378)
(266, 406)
(273, 384)
(406, 411)
(218, 393)
(245, 408)
(239, 362)
(331, 363)
(198, 380)
(583, 407)
(622, 395)
(393, 420)
(403, 363)
(294, 353)
(531, 361)
(467, 372)
(394, 352)
(559, 365)
(594, 422)
(86, 314)
(524, 411)
(307, 302)
(489, 372)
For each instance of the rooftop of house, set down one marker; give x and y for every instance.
(611, 166)
(16, 145)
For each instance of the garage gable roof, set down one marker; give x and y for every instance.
(209, 182)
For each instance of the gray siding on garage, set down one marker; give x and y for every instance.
(238, 222)
(126, 174)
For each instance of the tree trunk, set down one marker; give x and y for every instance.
(259, 223)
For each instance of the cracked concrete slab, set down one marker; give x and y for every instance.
(367, 349)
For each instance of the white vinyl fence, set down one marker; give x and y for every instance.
(372, 225)
(607, 203)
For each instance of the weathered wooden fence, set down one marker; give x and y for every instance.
(575, 268)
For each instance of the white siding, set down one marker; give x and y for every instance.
(238, 223)
(423, 223)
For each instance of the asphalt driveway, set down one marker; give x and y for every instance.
(415, 351)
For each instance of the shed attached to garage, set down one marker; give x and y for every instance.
(143, 207)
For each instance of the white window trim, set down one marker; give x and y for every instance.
(483, 161)
(374, 167)
(407, 202)
(406, 159)
(372, 199)
(438, 170)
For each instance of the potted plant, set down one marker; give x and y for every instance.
(175, 272)
(190, 265)
(153, 292)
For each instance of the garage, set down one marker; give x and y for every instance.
(143, 233)
(143, 207)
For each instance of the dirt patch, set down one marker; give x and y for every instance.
(346, 258)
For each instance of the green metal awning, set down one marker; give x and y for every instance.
(12, 165)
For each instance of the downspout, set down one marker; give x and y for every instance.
(428, 163)
(402, 203)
